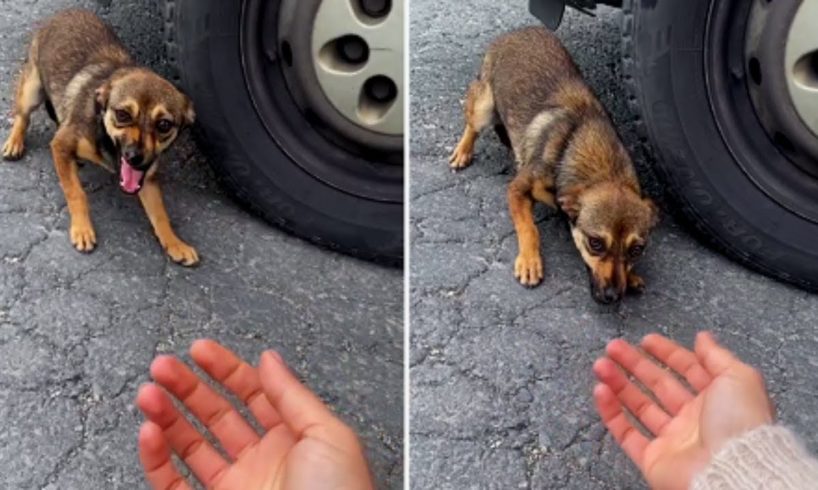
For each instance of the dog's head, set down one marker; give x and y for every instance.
(610, 224)
(143, 114)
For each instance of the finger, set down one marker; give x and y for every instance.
(202, 459)
(671, 394)
(299, 407)
(216, 413)
(678, 359)
(154, 453)
(642, 407)
(237, 376)
(715, 358)
(624, 433)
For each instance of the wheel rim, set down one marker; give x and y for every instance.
(801, 64)
(349, 163)
(358, 59)
(347, 66)
(747, 86)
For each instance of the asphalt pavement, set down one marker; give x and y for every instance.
(77, 332)
(501, 375)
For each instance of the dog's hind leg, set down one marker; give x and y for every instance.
(479, 112)
(528, 267)
(29, 96)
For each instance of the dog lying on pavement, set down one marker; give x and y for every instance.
(568, 156)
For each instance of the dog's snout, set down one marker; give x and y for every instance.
(608, 295)
(611, 294)
(135, 157)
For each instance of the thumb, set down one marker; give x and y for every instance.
(298, 407)
(715, 358)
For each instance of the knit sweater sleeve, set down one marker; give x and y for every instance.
(769, 457)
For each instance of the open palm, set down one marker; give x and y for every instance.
(689, 426)
(303, 445)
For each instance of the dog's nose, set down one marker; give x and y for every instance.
(134, 158)
(609, 295)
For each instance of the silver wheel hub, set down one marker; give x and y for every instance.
(782, 77)
(357, 50)
(801, 63)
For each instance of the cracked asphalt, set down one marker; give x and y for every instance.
(77, 332)
(501, 375)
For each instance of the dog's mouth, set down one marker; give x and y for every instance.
(131, 179)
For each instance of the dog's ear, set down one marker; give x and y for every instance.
(569, 203)
(654, 211)
(189, 114)
(101, 98)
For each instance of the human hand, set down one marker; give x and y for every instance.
(304, 446)
(689, 427)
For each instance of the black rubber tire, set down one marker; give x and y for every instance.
(202, 40)
(664, 71)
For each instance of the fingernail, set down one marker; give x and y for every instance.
(275, 356)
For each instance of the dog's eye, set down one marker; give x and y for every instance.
(636, 251)
(596, 244)
(122, 117)
(164, 126)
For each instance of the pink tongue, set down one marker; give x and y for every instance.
(129, 177)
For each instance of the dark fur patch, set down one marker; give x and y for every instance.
(49, 108)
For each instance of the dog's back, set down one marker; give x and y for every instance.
(72, 50)
(530, 72)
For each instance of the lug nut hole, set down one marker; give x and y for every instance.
(375, 8)
(346, 54)
(287, 53)
(755, 71)
(381, 89)
(378, 95)
(806, 71)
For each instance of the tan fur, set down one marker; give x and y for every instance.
(542, 190)
(151, 197)
(63, 150)
(87, 151)
(541, 123)
(28, 97)
(479, 112)
(78, 64)
(568, 155)
(76, 87)
(528, 268)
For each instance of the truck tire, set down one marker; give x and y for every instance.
(276, 138)
(738, 163)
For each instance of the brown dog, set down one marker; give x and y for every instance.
(109, 111)
(568, 155)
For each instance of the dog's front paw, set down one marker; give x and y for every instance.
(528, 269)
(461, 156)
(182, 253)
(636, 284)
(13, 148)
(83, 237)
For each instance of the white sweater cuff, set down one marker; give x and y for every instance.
(769, 457)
